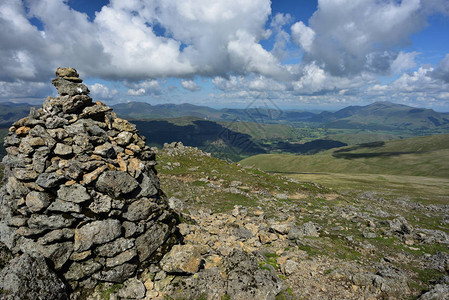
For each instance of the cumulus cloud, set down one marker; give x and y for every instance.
(143, 42)
(303, 36)
(442, 70)
(349, 37)
(136, 39)
(419, 86)
(102, 91)
(136, 92)
(145, 87)
(190, 85)
(230, 84)
(315, 79)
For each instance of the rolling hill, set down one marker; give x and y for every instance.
(421, 156)
(11, 112)
(384, 116)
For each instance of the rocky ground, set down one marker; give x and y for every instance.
(247, 234)
(319, 243)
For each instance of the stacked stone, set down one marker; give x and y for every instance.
(82, 191)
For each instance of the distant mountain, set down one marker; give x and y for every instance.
(11, 112)
(145, 111)
(383, 116)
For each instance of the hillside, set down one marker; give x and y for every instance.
(146, 111)
(321, 242)
(11, 112)
(384, 115)
(422, 156)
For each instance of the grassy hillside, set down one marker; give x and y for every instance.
(384, 116)
(422, 156)
(355, 215)
(11, 112)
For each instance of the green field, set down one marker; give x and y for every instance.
(423, 156)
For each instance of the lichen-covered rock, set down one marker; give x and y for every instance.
(132, 289)
(116, 183)
(27, 277)
(182, 259)
(437, 292)
(306, 229)
(97, 232)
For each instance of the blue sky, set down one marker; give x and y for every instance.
(301, 54)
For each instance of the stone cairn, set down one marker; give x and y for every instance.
(81, 190)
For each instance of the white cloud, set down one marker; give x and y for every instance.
(419, 86)
(303, 36)
(352, 36)
(403, 62)
(143, 42)
(201, 37)
(190, 85)
(136, 92)
(442, 70)
(261, 83)
(231, 84)
(101, 91)
(23, 89)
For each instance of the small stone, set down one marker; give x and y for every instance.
(22, 131)
(306, 229)
(25, 174)
(122, 163)
(121, 258)
(115, 247)
(69, 88)
(63, 149)
(182, 259)
(124, 138)
(92, 176)
(95, 111)
(152, 239)
(101, 204)
(281, 228)
(66, 72)
(117, 274)
(123, 125)
(97, 232)
(133, 289)
(140, 210)
(57, 235)
(49, 222)
(36, 142)
(49, 180)
(75, 193)
(116, 183)
(135, 167)
(37, 201)
(16, 221)
(64, 206)
(81, 270)
(79, 256)
(28, 232)
(105, 150)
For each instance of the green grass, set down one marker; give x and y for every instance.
(426, 190)
(106, 293)
(422, 156)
